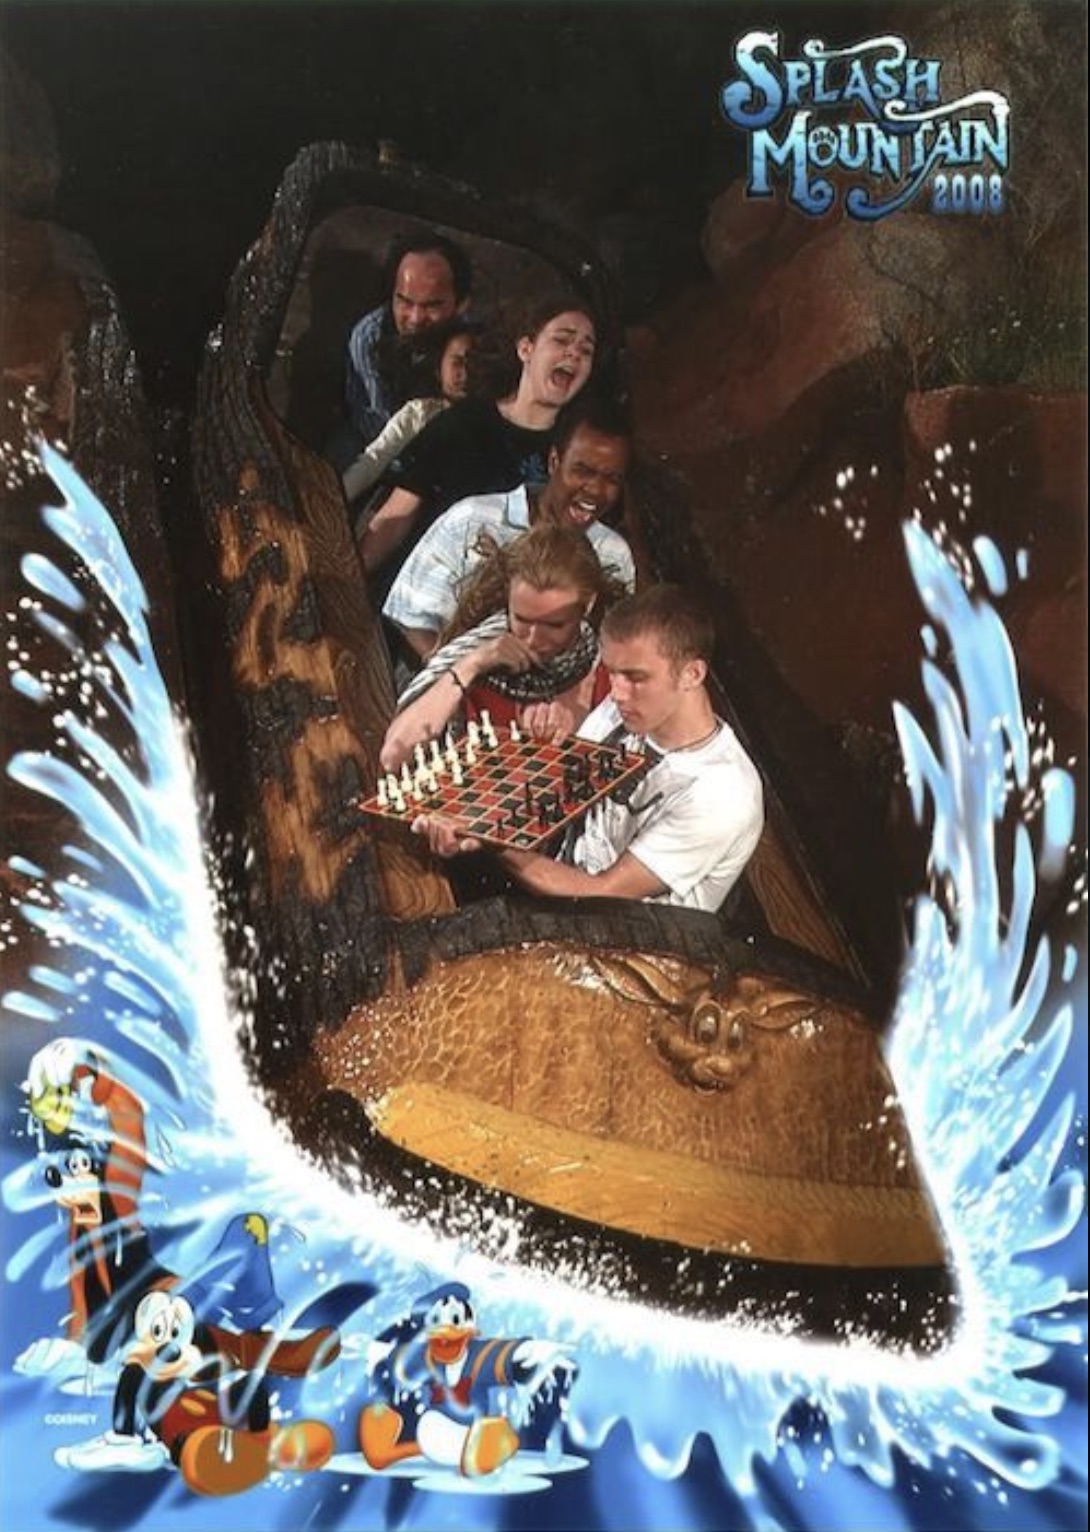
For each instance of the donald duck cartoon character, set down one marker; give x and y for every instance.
(439, 1376)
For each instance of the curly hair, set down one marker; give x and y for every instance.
(546, 557)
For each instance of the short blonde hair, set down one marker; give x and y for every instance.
(678, 618)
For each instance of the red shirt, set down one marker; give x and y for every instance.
(504, 710)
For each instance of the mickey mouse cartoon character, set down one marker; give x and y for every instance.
(195, 1395)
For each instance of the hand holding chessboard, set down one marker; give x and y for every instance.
(508, 792)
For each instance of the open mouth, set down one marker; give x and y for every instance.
(448, 1348)
(85, 1213)
(563, 378)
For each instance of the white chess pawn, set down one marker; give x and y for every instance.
(488, 733)
(383, 794)
(406, 780)
(456, 775)
(419, 757)
(437, 764)
(397, 797)
(516, 732)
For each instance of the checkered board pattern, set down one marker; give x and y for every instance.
(522, 793)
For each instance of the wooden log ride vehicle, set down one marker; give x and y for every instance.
(688, 1110)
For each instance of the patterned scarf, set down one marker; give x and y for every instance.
(538, 684)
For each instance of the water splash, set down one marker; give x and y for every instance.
(982, 1035)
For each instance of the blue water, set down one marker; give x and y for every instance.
(680, 1424)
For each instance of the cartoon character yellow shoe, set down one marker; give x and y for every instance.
(380, 1437)
(491, 1441)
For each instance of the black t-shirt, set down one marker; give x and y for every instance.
(470, 449)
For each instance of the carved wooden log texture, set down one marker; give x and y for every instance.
(562, 1053)
(311, 698)
(802, 1153)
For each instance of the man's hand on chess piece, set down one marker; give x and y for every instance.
(551, 721)
(446, 837)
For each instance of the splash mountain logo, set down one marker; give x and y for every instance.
(885, 123)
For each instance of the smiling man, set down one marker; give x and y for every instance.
(587, 466)
(686, 833)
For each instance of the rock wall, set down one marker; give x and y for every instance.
(805, 387)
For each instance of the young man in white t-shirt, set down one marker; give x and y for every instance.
(686, 833)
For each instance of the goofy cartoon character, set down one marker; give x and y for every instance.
(95, 1167)
(441, 1378)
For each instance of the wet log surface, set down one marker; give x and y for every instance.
(520, 1041)
(388, 1022)
(912, 1307)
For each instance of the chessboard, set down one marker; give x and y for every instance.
(516, 793)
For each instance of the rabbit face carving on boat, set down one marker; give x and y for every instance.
(706, 1028)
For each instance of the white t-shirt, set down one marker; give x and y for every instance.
(693, 821)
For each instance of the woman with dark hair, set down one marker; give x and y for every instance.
(520, 646)
(483, 446)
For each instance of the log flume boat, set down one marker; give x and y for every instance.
(662, 1104)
